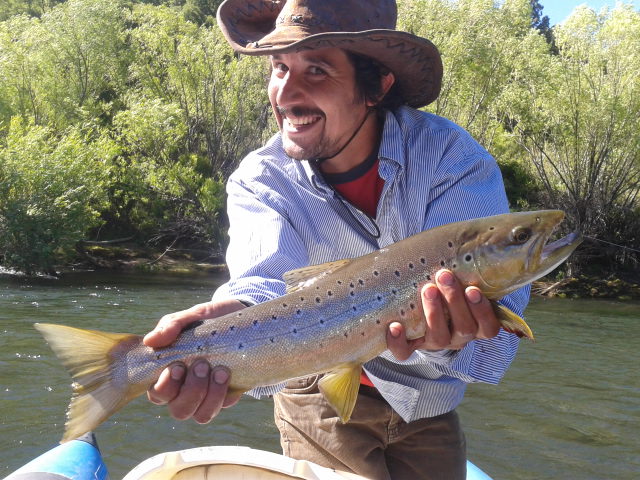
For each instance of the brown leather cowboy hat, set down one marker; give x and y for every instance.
(366, 27)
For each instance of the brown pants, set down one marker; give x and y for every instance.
(376, 443)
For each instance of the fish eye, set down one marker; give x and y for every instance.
(520, 235)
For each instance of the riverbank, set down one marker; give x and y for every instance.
(131, 258)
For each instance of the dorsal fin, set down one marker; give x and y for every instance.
(302, 277)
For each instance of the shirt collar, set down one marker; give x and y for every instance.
(391, 154)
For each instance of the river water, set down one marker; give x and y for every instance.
(569, 407)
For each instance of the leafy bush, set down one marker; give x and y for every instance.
(51, 192)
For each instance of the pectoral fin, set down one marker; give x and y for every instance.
(340, 388)
(512, 322)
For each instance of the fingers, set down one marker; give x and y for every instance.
(197, 392)
(482, 311)
(455, 315)
(168, 385)
(171, 325)
(463, 326)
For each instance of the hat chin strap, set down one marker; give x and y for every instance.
(320, 160)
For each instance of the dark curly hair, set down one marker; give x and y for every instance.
(369, 75)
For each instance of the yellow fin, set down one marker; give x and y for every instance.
(86, 354)
(301, 277)
(512, 322)
(340, 388)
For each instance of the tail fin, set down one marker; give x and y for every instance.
(88, 356)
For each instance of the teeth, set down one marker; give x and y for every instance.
(301, 121)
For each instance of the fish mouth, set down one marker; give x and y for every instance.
(553, 254)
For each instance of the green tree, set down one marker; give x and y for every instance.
(51, 192)
(576, 116)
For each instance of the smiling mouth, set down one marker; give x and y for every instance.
(299, 117)
(299, 122)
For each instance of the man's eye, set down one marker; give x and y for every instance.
(280, 67)
(316, 71)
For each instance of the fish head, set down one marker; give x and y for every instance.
(502, 253)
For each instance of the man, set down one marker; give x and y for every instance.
(353, 168)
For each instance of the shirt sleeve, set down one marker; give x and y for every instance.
(257, 262)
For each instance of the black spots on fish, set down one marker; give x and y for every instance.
(158, 356)
(255, 323)
(329, 293)
(402, 312)
(378, 322)
(450, 244)
(193, 325)
(214, 333)
(274, 317)
(429, 277)
(339, 282)
(362, 333)
(442, 263)
(298, 312)
(397, 273)
(352, 285)
(394, 291)
(354, 308)
(415, 285)
(360, 282)
(412, 306)
(232, 328)
(302, 299)
(284, 305)
(492, 228)
(294, 330)
(352, 293)
(318, 300)
(200, 348)
(379, 298)
(376, 273)
(454, 266)
(411, 266)
(423, 261)
(346, 335)
(240, 346)
(272, 340)
(322, 321)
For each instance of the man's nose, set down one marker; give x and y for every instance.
(290, 90)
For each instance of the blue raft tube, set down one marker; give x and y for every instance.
(78, 459)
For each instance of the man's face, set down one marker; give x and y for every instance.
(315, 101)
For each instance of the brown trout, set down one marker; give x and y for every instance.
(333, 318)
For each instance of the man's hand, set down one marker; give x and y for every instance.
(454, 317)
(196, 391)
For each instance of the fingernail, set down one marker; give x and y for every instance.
(395, 330)
(431, 292)
(201, 369)
(220, 376)
(473, 295)
(177, 372)
(446, 278)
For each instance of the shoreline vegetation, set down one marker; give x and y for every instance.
(129, 258)
(124, 119)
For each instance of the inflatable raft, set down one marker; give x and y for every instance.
(80, 459)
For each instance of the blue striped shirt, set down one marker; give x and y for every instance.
(283, 216)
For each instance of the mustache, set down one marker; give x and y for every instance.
(298, 111)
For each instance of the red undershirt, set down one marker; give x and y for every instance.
(360, 186)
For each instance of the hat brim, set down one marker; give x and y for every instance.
(414, 61)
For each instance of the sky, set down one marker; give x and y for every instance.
(558, 10)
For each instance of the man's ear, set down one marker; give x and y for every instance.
(387, 80)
